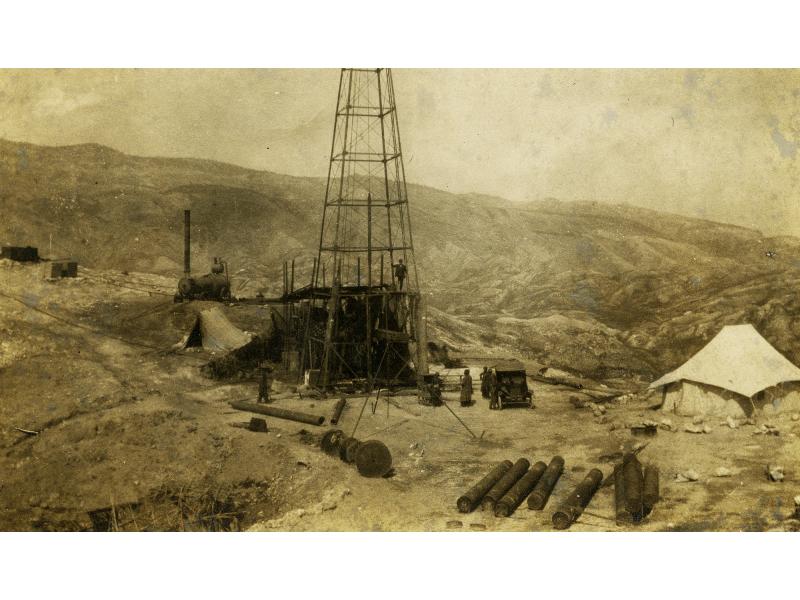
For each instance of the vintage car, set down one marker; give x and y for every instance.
(509, 385)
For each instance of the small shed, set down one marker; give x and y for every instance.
(61, 268)
(20, 253)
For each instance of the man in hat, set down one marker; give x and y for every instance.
(265, 385)
(400, 272)
(466, 388)
(485, 382)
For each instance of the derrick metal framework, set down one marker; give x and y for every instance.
(360, 321)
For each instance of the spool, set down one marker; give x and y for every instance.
(350, 451)
(373, 459)
(343, 447)
(330, 441)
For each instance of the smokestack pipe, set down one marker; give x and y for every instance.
(187, 227)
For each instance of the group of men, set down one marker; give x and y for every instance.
(488, 387)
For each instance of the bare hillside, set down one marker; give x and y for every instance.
(604, 290)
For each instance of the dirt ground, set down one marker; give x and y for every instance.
(130, 435)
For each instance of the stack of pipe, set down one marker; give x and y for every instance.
(636, 490)
(506, 486)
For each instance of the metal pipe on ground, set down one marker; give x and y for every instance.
(506, 506)
(337, 410)
(620, 508)
(541, 493)
(650, 495)
(470, 501)
(634, 486)
(504, 484)
(573, 506)
(279, 413)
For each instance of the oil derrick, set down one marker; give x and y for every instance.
(364, 321)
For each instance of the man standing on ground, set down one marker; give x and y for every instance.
(485, 383)
(466, 388)
(265, 384)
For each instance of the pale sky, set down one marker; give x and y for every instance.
(721, 145)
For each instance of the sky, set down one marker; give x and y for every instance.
(715, 144)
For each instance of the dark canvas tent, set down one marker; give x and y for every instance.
(735, 373)
(213, 331)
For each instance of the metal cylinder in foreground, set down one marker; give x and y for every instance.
(347, 449)
(331, 440)
(506, 506)
(187, 228)
(541, 493)
(280, 413)
(373, 459)
(505, 483)
(620, 508)
(634, 485)
(651, 491)
(573, 506)
(337, 410)
(469, 501)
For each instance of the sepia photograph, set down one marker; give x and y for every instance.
(528, 308)
(564, 300)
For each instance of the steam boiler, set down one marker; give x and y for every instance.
(212, 286)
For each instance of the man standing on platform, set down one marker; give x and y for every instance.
(400, 272)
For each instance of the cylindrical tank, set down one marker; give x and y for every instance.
(213, 286)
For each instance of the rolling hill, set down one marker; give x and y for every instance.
(604, 290)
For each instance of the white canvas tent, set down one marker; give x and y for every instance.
(213, 331)
(735, 373)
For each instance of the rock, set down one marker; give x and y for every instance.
(577, 402)
(666, 425)
(797, 501)
(767, 429)
(454, 524)
(731, 422)
(279, 435)
(688, 475)
(775, 472)
(694, 429)
(723, 472)
(698, 420)
(795, 417)
(477, 526)
(707, 429)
